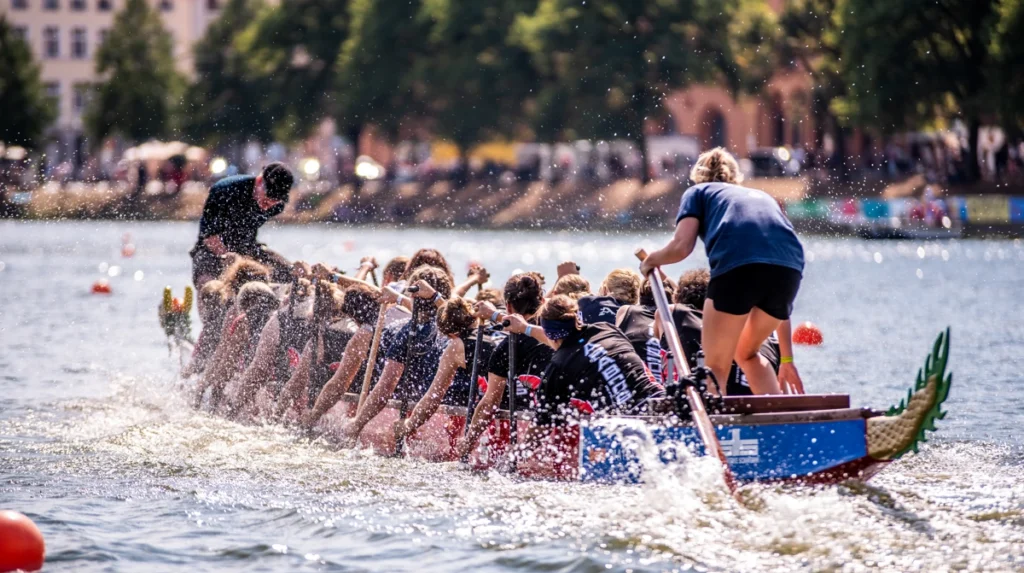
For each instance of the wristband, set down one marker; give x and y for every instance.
(786, 360)
(401, 297)
(496, 316)
(436, 297)
(335, 277)
(529, 330)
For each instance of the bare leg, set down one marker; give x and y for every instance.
(718, 339)
(759, 372)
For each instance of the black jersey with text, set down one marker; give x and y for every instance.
(595, 309)
(638, 325)
(596, 365)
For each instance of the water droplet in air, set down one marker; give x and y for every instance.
(139, 275)
(878, 258)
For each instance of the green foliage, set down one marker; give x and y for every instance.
(291, 50)
(379, 68)
(225, 102)
(140, 84)
(474, 79)
(1008, 70)
(606, 65)
(27, 109)
(906, 63)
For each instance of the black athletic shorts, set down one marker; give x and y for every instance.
(771, 288)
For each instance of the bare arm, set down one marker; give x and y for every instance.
(216, 245)
(478, 277)
(224, 363)
(366, 266)
(518, 325)
(789, 377)
(484, 412)
(677, 249)
(261, 369)
(454, 357)
(291, 391)
(378, 397)
(355, 354)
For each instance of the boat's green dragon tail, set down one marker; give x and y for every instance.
(904, 427)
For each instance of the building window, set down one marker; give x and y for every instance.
(166, 5)
(53, 90)
(21, 32)
(51, 41)
(51, 4)
(102, 37)
(78, 5)
(19, 4)
(83, 93)
(103, 6)
(79, 46)
(212, 5)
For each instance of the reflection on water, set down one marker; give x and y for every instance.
(98, 447)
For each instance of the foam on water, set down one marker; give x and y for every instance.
(259, 491)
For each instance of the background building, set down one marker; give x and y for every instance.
(64, 36)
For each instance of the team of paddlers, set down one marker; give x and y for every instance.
(287, 341)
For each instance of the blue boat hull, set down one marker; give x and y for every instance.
(800, 451)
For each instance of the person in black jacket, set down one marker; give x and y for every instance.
(594, 368)
(234, 211)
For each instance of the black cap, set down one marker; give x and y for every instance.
(278, 181)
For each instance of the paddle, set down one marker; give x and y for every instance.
(474, 372)
(701, 420)
(513, 430)
(371, 359)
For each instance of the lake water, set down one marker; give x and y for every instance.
(98, 449)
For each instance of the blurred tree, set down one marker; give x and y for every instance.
(292, 49)
(607, 65)
(28, 111)
(1008, 74)
(476, 80)
(380, 67)
(140, 85)
(224, 103)
(908, 63)
(812, 31)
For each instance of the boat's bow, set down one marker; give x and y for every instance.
(904, 427)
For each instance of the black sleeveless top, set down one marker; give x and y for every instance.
(638, 326)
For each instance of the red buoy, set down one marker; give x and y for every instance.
(101, 287)
(21, 543)
(807, 333)
(127, 250)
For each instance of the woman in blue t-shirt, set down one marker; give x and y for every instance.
(756, 267)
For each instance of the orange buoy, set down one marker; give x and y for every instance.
(21, 543)
(127, 250)
(101, 287)
(807, 333)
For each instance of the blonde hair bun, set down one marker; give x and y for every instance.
(716, 166)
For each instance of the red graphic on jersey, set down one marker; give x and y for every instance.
(481, 383)
(293, 357)
(334, 366)
(530, 381)
(582, 405)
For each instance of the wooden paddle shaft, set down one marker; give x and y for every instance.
(513, 387)
(474, 372)
(371, 359)
(701, 420)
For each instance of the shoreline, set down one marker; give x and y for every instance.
(622, 206)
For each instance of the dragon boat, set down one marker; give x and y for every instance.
(790, 438)
(779, 438)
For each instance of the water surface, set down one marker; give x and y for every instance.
(99, 449)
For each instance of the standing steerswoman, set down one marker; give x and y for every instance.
(756, 267)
